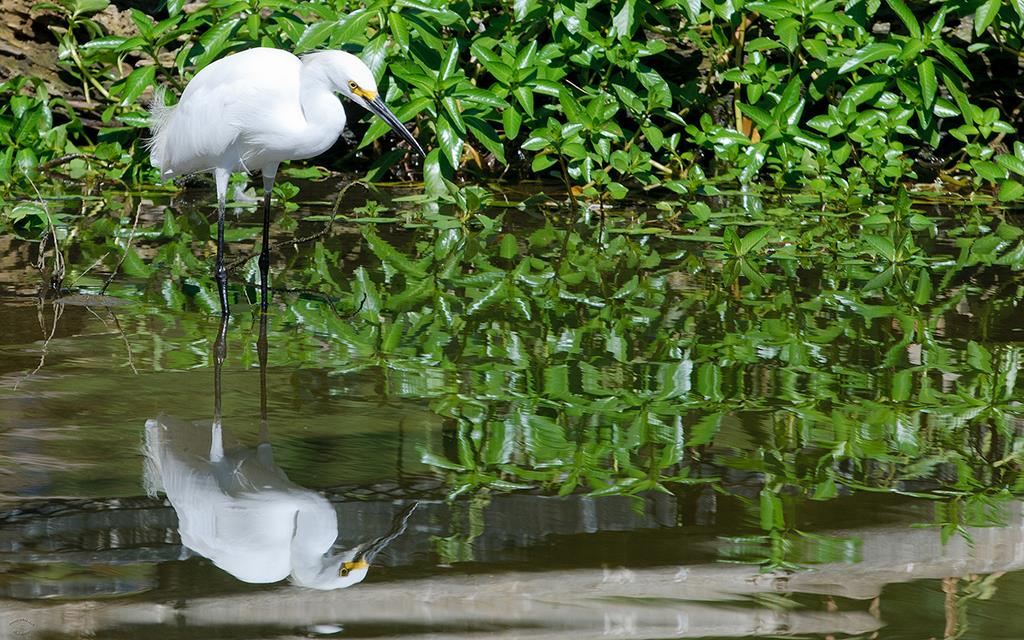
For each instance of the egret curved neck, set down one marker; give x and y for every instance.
(320, 105)
(315, 532)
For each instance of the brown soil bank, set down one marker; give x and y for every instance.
(28, 44)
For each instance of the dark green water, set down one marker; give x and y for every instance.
(630, 431)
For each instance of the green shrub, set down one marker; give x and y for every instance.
(613, 96)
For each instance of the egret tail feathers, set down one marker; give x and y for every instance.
(159, 117)
(152, 474)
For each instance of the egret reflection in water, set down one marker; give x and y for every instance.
(239, 509)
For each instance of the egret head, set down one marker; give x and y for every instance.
(344, 569)
(349, 567)
(345, 574)
(354, 80)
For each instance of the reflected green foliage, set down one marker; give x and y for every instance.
(605, 96)
(775, 362)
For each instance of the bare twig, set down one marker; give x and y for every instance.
(88, 269)
(237, 262)
(127, 248)
(127, 345)
(58, 310)
(57, 275)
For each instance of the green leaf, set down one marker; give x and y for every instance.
(433, 179)
(213, 42)
(479, 96)
(106, 42)
(387, 253)
(365, 295)
(133, 265)
(1018, 6)
(881, 246)
(929, 85)
(314, 35)
(789, 102)
(525, 97)
(541, 162)
(945, 109)
(1012, 163)
(1010, 190)
(495, 294)
(989, 170)
(754, 240)
(522, 8)
(788, 32)
(818, 144)
(865, 90)
(880, 280)
(906, 16)
(451, 62)
(923, 293)
(952, 56)
(352, 27)
(753, 274)
(374, 55)
(692, 9)
(487, 136)
(85, 7)
(952, 84)
(449, 141)
(512, 121)
(131, 87)
(509, 247)
(985, 14)
(659, 94)
(870, 53)
(978, 357)
(536, 143)
(622, 21)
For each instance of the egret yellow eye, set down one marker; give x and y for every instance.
(352, 85)
(343, 572)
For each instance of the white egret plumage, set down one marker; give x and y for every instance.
(253, 110)
(236, 507)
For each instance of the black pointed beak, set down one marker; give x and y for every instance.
(398, 525)
(378, 108)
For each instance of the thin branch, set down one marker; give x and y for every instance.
(58, 311)
(88, 269)
(237, 262)
(127, 248)
(127, 345)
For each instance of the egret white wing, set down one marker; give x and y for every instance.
(223, 111)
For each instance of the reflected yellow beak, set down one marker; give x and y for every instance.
(357, 564)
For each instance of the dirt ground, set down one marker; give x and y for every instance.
(28, 46)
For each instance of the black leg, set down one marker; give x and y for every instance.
(264, 452)
(220, 350)
(261, 350)
(220, 271)
(268, 186)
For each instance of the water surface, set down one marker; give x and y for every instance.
(611, 433)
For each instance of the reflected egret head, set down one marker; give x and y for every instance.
(344, 568)
(337, 573)
(346, 574)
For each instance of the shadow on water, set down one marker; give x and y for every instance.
(628, 440)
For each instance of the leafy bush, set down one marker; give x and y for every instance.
(609, 96)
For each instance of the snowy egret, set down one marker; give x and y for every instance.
(253, 110)
(236, 507)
